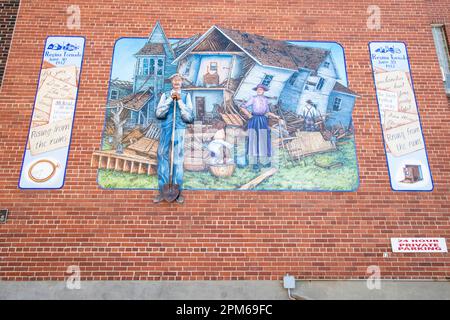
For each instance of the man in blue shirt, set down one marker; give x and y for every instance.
(184, 114)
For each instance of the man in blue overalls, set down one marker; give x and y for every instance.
(184, 114)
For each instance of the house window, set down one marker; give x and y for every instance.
(160, 67)
(213, 66)
(293, 78)
(145, 66)
(152, 67)
(320, 84)
(326, 64)
(442, 49)
(188, 68)
(114, 95)
(337, 104)
(267, 80)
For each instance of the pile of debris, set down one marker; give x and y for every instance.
(152, 131)
(144, 147)
(231, 116)
(293, 121)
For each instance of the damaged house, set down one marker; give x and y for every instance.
(222, 67)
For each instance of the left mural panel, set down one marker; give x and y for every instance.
(48, 143)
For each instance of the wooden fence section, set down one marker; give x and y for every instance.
(123, 162)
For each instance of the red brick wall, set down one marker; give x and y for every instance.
(8, 13)
(220, 235)
(439, 12)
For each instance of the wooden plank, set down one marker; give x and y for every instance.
(152, 170)
(111, 163)
(238, 119)
(119, 165)
(94, 160)
(103, 162)
(126, 166)
(225, 118)
(253, 183)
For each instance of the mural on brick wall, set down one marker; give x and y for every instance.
(266, 114)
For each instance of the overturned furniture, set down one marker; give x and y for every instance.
(413, 173)
(306, 143)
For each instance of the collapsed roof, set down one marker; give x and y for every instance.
(265, 51)
(135, 101)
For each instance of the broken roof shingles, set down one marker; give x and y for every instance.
(152, 49)
(277, 53)
(180, 46)
(134, 101)
(128, 85)
(306, 57)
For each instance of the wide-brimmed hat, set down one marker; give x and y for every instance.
(262, 87)
(175, 75)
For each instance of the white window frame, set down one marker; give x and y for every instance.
(187, 71)
(216, 66)
(145, 69)
(111, 94)
(442, 49)
(159, 68)
(321, 82)
(264, 79)
(336, 99)
(293, 78)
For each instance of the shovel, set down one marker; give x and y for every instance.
(171, 191)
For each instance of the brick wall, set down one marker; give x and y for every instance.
(119, 235)
(439, 13)
(8, 13)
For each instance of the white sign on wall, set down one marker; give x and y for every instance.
(406, 154)
(419, 245)
(47, 148)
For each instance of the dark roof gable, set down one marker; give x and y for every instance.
(338, 87)
(152, 49)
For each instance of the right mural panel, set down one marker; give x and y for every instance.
(406, 154)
